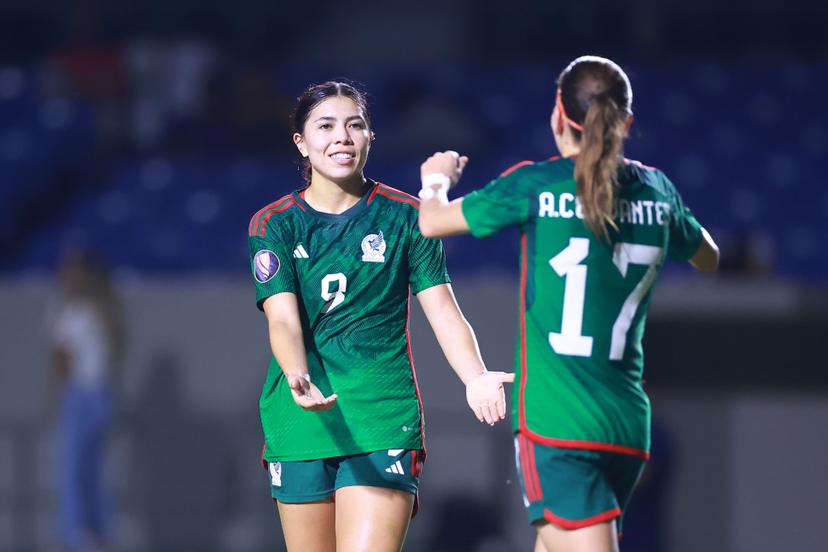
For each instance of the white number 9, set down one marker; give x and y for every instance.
(334, 298)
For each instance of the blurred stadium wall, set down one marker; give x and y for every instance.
(743, 457)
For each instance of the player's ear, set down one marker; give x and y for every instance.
(556, 121)
(373, 136)
(299, 141)
(628, 123)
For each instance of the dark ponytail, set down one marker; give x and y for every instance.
(596, 168)
(597, 97)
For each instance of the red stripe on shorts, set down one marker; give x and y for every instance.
(580, 523)
(525, 460)
(533, 469)
(416, 464)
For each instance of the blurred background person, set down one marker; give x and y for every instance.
(87, 349)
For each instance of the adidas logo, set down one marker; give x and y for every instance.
(396, 467)
(300, 252)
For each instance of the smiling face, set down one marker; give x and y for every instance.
(336, 140)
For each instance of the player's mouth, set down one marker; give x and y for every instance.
(342, 157)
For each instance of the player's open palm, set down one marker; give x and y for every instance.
(308, 396)
(486, 396)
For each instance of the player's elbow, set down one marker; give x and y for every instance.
(709, 263)
(427, 227)
(707, 256)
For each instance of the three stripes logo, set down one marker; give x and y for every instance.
(396, 467)
(300, 252)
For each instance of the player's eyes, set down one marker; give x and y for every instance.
(325, 126)
(359, 125)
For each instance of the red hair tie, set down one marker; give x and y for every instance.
(569, 121)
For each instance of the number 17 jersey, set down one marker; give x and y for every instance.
(583, 300)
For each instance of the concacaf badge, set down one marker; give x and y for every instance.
(373, 248)
(265, 265)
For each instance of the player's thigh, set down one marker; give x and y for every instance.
(304, 493)
(376, 494)
(595, 538)
(309, 526)
(372, 519)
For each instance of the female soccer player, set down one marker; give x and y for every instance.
(596, 229)
(333, 265)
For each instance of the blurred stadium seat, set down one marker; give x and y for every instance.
(740, 142)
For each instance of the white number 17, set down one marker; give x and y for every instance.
(567, 263)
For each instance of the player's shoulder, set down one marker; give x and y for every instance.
(264, 218)
(393, 198)
(649, 176)
(555, 167)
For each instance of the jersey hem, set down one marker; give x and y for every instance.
(584, 445)
(331, 453)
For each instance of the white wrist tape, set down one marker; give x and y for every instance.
(435, 184)
(432, 179)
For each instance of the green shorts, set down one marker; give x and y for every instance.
(297, 482)
(574, 488)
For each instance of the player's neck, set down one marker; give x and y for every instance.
(568, 149)
(334, 198)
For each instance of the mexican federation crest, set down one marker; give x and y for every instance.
(373, 248)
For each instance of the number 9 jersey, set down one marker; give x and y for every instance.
(583, 300)
(351, 274)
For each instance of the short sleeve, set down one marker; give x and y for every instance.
(426, 262)
(685, 230)
(271, 264)
(503, 202)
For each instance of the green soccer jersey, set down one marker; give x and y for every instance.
(351, 274)
(583, 301)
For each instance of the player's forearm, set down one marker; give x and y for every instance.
(438, 218)
(459, 344)
(288, 347)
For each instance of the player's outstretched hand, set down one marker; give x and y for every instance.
(308, 396)
(486, 397)
(449, 163)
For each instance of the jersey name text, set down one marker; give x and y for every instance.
(641, 211)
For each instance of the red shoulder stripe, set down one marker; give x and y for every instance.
(266, 217)
(372, 194)
(396, 191)
(253, 227)
(411, 201)
(516, 166)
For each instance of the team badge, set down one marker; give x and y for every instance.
(373, 248)
(265, 265)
